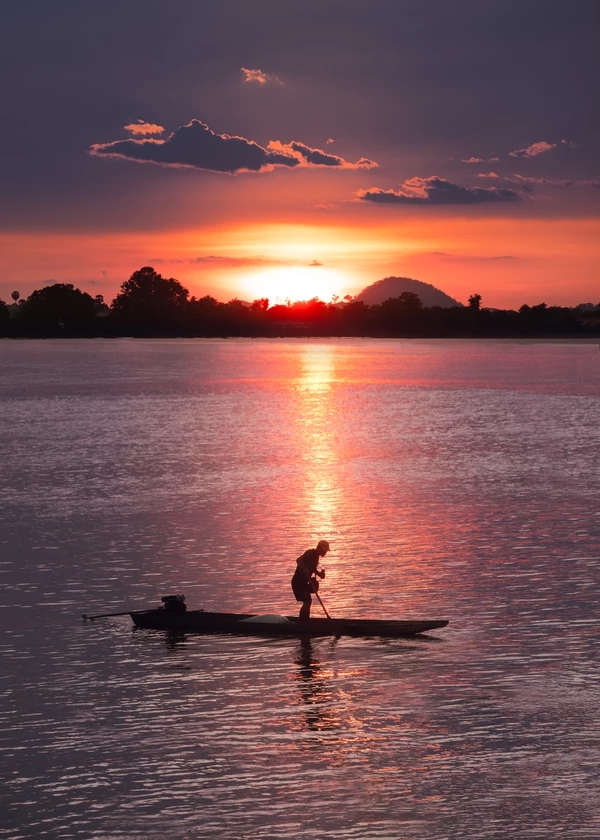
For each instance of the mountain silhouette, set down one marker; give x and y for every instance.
(393, 287)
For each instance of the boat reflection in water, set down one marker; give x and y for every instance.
(315, 691)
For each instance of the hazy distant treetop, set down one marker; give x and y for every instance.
(393, 287)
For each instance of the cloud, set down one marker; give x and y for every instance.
(196, 146)
(259, 77)
(245, 261)
(230, 262)
(317, 157)
(528, 182)
(237, 261)
(436, 190)
(534, 150)
(473, 160)
(142, 127)
(487, 175)
(325, 205)
(471, 258)
(554, 182)
(330, 140)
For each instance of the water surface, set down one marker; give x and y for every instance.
(454, 479)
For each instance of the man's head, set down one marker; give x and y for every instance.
(322, 547)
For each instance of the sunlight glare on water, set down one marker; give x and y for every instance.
(454, 479)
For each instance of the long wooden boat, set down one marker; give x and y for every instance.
(249, 624)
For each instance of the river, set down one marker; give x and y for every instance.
(453, 479)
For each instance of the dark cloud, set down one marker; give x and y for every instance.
(196, 146)
(436, 190)
(529, 182)
(317, 157)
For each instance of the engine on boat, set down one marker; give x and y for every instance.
(174, 603)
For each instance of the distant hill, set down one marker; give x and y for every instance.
(393, 287)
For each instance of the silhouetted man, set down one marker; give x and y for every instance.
(305, 582)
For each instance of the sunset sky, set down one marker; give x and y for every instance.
(259, 148)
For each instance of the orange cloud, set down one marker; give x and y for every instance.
(259, 77)
(142, 127)
(478, 160)
(534, 150)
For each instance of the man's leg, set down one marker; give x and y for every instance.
(305, 608)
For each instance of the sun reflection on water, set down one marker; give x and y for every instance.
(315, 426)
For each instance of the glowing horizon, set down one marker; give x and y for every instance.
(508, 261)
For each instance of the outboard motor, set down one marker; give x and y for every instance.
(174, 603)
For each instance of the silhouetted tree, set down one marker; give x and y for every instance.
(101, 307)
(260, 305)
(475, 302)
(400, 315)
(148, 302)
(410, 301)
(204, 316)
(4, 318)
(15, 296)
(58, 310)
(356, 318)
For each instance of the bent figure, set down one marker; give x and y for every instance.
(305, 582)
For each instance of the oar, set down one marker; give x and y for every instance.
(319, 598)
(108, 615)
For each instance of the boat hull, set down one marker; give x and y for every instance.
(247, 624)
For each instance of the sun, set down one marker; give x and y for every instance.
(295, 282)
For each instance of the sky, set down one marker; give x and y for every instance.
(262, 148)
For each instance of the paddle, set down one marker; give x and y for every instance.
(318, 598)
(107, 615)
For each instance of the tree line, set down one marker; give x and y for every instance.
(149, 305)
